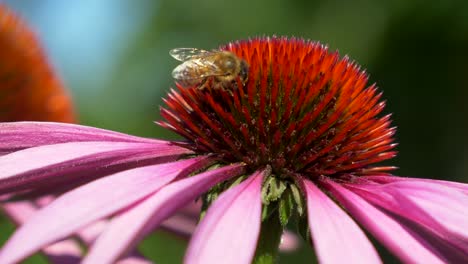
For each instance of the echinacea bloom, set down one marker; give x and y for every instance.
(29, 90)
(299, 141)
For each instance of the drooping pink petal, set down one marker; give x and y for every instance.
(388, 179)
(127, 229)
(192, 209)
(441, 209)
(21, 135)
(134, 259)
(183, 224)
(404, 243)
(180, 225)
(434, 185)
(442, 203)
(445, 205)
(46, 165)
(91, 232)
(91, 202)
(230, 229)
(64, 251)
(19, 211)
(88, 235)
(332, 229)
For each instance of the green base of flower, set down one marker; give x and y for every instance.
(269, 241)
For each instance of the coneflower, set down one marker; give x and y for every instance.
(30, 90)
(26, 76)
(298, 141)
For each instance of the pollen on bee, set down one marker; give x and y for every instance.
(217, 69)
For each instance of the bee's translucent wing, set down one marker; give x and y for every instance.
(185, 54)
(195, 69)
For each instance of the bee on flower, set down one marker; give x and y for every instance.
(221, 67)
(299, 140)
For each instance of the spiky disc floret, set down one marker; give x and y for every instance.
(303, 110)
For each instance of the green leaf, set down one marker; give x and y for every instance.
(298, 199)
(277, 187)
(286, 207)
(303, 228)
(273, 189)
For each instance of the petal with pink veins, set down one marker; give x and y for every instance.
(230, 229)
(46, 165)
(443, 204)
(388, 179)
(441, 209)
(21, 135)
(404, 243)
(127, 229)
(336, 237)
(64, 251)
(92, 202)
(183, 225)
(88, 235)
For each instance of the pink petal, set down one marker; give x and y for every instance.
(20, 211)
(383, 178)
(134, 260)
(193, 209)
(443, 204)
(404, 243)
(127, 229)
(333, 229)
(91, 202)
(230, 229)
(439, 208)
(183, 225)
(65, 251)
(91, 232)
(20, 135)
(432, 186)
(180, 225)
(50, 164)
(388, 179)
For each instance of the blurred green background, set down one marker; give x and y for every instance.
(113, 56)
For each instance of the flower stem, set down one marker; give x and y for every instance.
(270, 238)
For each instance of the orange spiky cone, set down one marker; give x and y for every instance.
(29, 89)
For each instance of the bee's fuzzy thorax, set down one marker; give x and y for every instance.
(303, 110)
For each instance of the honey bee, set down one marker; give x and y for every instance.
(198, 66)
